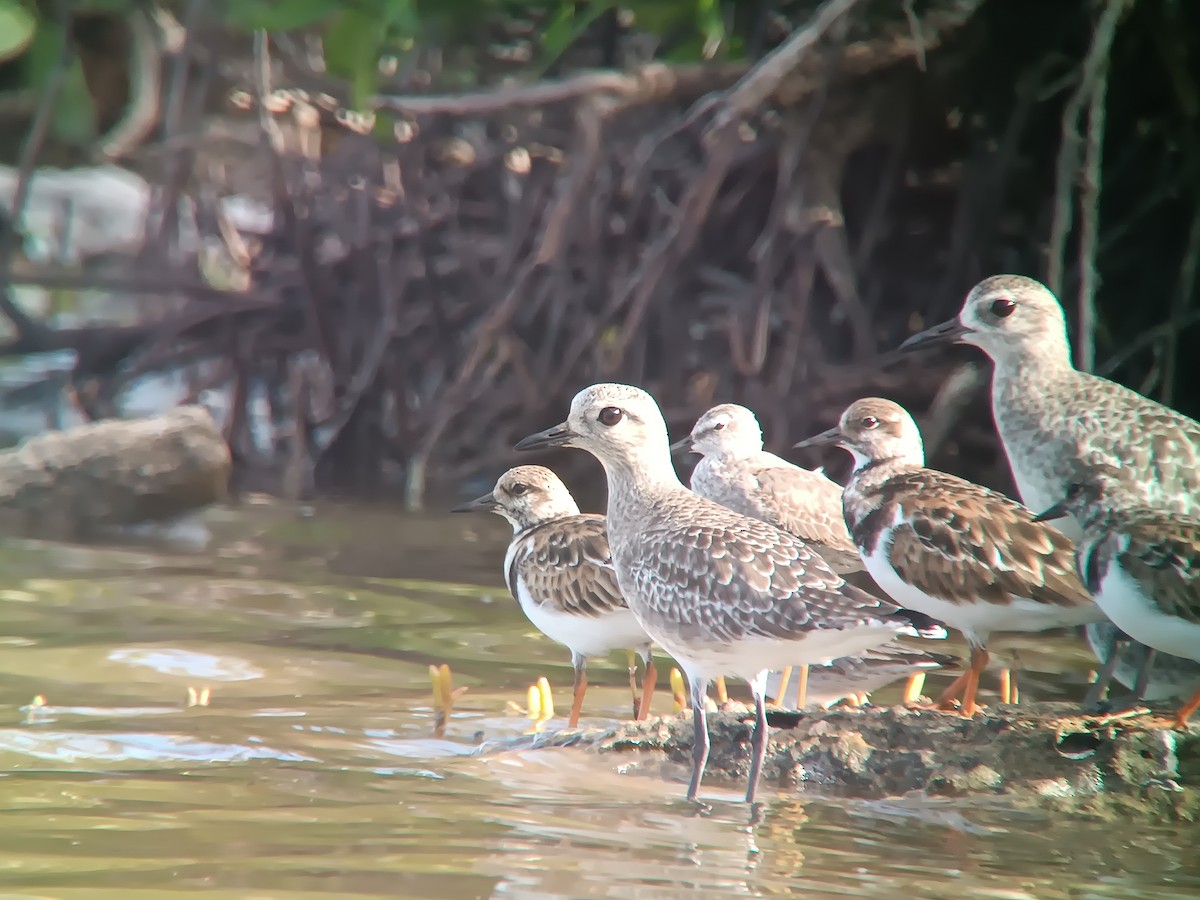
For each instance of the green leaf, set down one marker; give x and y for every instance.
(17, 27)
(74, 119)
(565, 27)
(711, 25)
(352, 47)
(281, 15)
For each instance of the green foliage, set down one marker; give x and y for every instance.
(17, 27)
(358, 34)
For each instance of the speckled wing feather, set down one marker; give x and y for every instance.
(726, 577)
(1162, 554)
(965, 543)
(566, 563)
(809, 506)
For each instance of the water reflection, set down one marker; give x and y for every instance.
(313, 770)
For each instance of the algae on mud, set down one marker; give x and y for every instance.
(1046, 755)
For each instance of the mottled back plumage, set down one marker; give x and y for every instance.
(567, 562)
(1051, 416)
(736, 472)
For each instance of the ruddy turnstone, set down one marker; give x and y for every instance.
(718, 591)
(735, 471)
(1141, 563)
(952, 549)
(559, 569)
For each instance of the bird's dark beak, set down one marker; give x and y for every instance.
(486, 503)
(830, 438)
(946, 333)
(558, 436)
(1057, 511)
(683, 446)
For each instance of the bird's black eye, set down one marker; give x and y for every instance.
(868, 422)
(519, 488)
(610, 416)
(1003, 307)
(719, 426)
(1074, 490)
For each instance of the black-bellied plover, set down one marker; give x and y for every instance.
(852, 676)
(718, 591)
(1052, 417)
(559, 569)
(1151, 676)
(1141, 563)
(952, 549)
(735, 471)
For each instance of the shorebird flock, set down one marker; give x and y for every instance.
(760, 565)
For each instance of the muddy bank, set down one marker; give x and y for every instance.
(1043, 754)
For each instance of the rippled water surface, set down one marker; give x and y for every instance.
(314, 769)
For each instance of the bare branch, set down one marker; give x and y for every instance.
(1089, 222)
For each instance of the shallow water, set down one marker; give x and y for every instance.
(314, 770)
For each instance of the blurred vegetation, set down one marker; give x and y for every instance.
(538, 244)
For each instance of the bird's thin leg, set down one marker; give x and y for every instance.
(1142, 683)
(758, 740)
(631, 661)
(580, 664)
(1104, 677)
(979, 661)
(699, 688)
(802, 688)
(785, 677)
(953, 691)
(913, 688)
(1007, 685)
(1185, 711)
(722, 692)
(649, 680)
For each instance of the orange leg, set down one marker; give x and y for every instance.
(722, 693)
(649, 679)
(580, 690)
(785, 677)
(952, 693)
(979, 660)
(1007, 686)
(802, 689)
(1185, 711)
(913, 688)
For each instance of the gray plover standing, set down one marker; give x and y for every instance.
(735, 471)
(1141, 563)
(718, 591)
(952, 549)
(559, 569)
(1052, 417)
(1152, 676)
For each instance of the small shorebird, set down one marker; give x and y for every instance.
(735, 471)
(952, 549)
(718, 591)
(1151, 676)
(1141, 564)
(856, 676)
(559, 569)
(1052, 418)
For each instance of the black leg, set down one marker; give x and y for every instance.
(700, 738)
(1105, 675)
(758, 740)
